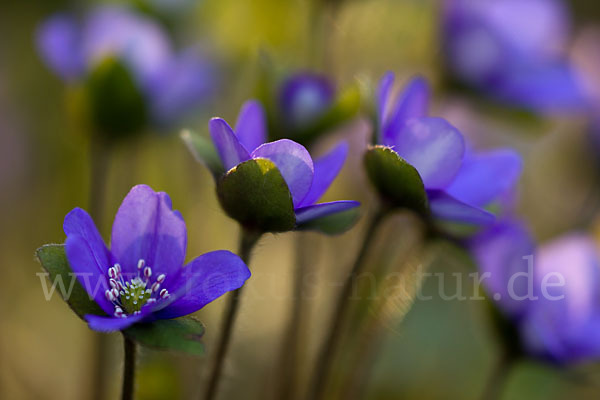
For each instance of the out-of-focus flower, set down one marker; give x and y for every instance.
(142, 278)
(171, 83)
(459, 183)
(497, 47)
(305, 97)
(551, 293)
(305, 181)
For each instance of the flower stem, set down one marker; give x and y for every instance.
(325, 357)
(247, 242)
(98, 157)
(128, 369)
(289, 358)
(495, 384)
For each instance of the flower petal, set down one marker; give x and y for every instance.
(326, 169)
(111, 324)
(59, 45)
(434, 147)
(384, 91)
(484, 177)
(305, 214)
(89, 268)
(501, 252)
(87, 254)
(294, 163)
(446, 207)
(185, 82)
(228, 145)
(147, 228)
(413, 103)
(205, 279)
(251, 125)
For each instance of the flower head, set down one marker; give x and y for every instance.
(172, 83)
(304, 98)
(142, 277)
(495, 46)
(550, 292)
(305, 181)
(459, 183)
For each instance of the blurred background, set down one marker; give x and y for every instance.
(436, 350)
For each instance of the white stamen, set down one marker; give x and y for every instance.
(115, 293)
(113, 283)
(160, 278)
(112, 272)
(155, 286)
(117, 268)
(141, 264)
(109, 295)
(151, 300)
(147, 272)
(164, 293)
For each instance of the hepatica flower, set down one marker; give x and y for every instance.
(549, 292)
(142, 277)
(170, 82)
(271, 186)
(423, 162)
(304, 98)
(497, 47)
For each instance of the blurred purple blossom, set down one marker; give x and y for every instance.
(459, 182)
(551, 292)
(515, 51)
(173, 82)
(304, 97)
(306, 180)
(142, 277)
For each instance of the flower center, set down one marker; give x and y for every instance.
(129, 296)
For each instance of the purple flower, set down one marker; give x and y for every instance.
(459, 182)
(304, 98)
(172, 82)
(495, 46)
(551, 292)
(307, 181)
(142, 278)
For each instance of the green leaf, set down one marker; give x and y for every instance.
(181, 334)
(203, 151)
(116, 104)
(255, 194)
(398, 183)
(54, 260)
(332, 224)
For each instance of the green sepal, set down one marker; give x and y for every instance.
(397, 182)
(255, 194)
(181, 334)
(333, 224)
(203, 151)
(54, 260)
(116, 105)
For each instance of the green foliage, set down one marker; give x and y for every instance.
(117, 107)
(397, 182)
(332, 224)
(203, 151)
(54, 260)
(181, 334)
(255, 194)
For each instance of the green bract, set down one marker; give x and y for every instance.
(117, 107)
(397, 182)
(255, 194)
(204, 152)
(54, 261)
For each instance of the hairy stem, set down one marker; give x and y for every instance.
(247, 242)
(495, 384)
(327, 353)
(128, 369)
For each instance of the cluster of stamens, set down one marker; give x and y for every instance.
(128, 296)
